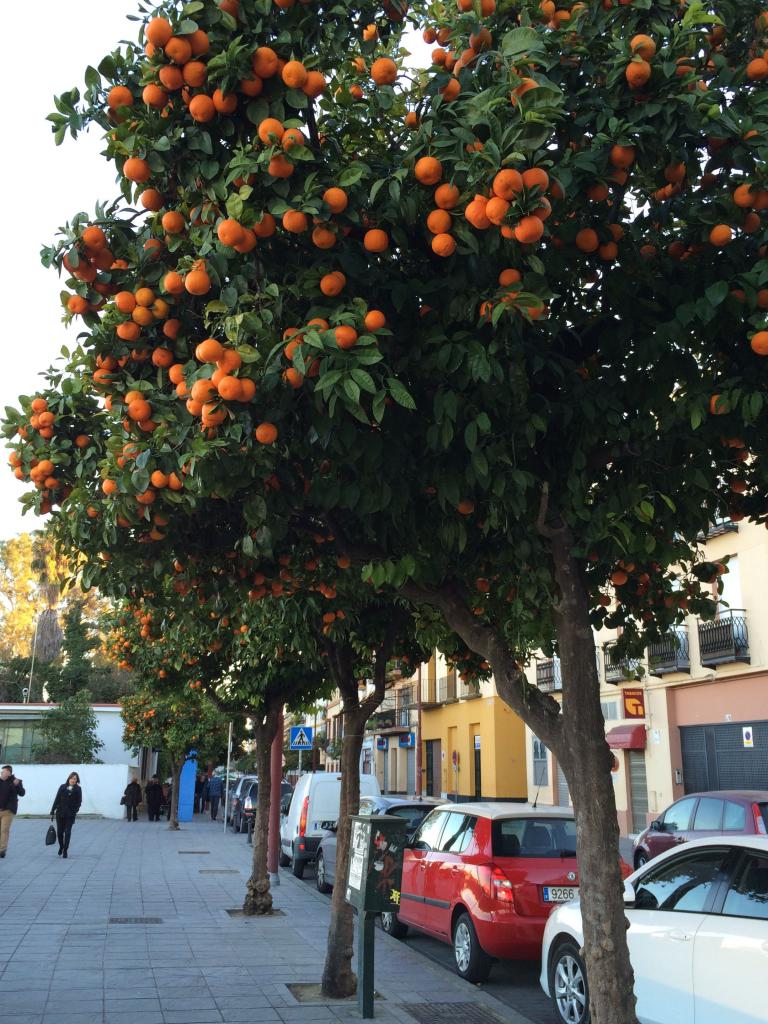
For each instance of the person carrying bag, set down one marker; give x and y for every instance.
(66, 804)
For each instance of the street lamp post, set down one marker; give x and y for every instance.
(28, 690)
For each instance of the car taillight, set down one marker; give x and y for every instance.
(303, 817)
(757, 814)
(501, 887)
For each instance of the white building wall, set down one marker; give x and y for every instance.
(102, 785)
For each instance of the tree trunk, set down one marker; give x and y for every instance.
(586, 760)
(339, 980)
(176, 776)
(258, 898)
(576, 736)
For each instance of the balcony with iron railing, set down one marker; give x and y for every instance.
(446, 689)
(725, 638)
(670, 654)
(548, 676)
(618, 667)
(468, 690)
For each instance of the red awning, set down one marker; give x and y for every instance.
(626, 737)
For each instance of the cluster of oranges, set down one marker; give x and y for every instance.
(91, 256)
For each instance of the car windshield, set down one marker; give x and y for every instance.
(534, 837)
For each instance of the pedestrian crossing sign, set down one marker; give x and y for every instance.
(301, 737)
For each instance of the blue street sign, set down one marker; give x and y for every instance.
(301, 737)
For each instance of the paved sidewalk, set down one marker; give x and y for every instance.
(65, 960)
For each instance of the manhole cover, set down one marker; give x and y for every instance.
(218, 871)
(196, 852)
(465, 1013)
(135, 920)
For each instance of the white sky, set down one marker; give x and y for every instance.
(43, 186)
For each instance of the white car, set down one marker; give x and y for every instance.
(315, 803)
(698, 938)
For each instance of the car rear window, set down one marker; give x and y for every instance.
(735, 817)
(533, 837)
(413, 815)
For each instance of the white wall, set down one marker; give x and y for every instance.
(102, 785)
(110, 732)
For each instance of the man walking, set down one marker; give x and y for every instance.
(11, 789)
(153, 796)
(215, 790)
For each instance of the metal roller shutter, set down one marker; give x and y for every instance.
(638, 786)
(715, 757)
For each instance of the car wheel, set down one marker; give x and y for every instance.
(297, 866)
(392, 925)
(472, 963)
(283, 860)
(641, 858)
(568, 985)
(320, 882)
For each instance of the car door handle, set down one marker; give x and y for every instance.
(423, 865)
(679, 936)
(455, 869)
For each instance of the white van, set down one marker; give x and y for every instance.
(315, 800)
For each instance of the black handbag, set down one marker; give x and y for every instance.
(50, 836)
(122, 801)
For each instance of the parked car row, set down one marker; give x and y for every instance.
(501, 881)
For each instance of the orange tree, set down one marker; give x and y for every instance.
(496, 327)
(178, 723)
(257, 635)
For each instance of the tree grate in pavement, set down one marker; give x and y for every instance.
(238, 912)
(195, 852)
(218, 871)
(447, 1013)
(135, 920)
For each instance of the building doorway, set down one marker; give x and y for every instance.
(478, 769)
(433, 767)
(638, 790)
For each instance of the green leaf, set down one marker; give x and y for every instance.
(364, 380)
(400, 394)
(351, 175)
(351, 390)
(717, 292)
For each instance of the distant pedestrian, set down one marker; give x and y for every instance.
(153, 795)
(11, 789)
(66, 804)
(215, 791)
(198, 793)
(132, 797)
(168, 799)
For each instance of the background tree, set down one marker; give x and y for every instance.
(177, 722)
(68, 733)
(511, 381)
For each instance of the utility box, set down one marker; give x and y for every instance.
(375, 862)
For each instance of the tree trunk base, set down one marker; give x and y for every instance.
(258, 899)
(340, 983)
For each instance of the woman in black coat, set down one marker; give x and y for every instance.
(65, 807)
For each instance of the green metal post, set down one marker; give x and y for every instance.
(365, 939)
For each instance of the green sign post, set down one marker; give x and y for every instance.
(373, 886)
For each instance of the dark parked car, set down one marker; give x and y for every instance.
(726, 812)
(236, 797)
(251, 799)
(414, 812)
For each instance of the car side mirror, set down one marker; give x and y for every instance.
(329, 826)
(285, 805)
(629, 895)
(656, 826)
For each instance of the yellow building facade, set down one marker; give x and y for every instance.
(472, 744)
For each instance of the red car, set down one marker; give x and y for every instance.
(485, 877)
(718, 812)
